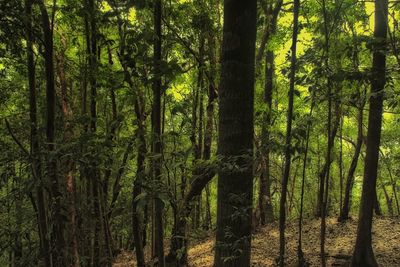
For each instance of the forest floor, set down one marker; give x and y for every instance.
(340, 240)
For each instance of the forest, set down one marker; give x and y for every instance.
(199, 133)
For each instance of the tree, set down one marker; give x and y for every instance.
(265, 201)
(158, 237)
(344, 212)
(57, 231)
(235, 141)
(288, 140)
(35, 148)
(363, 253)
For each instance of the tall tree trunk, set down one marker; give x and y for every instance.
(138, 217)
(158, 237)
(68, 163)
(363, 253)
(45, 251)
(265, 201)
(56, 194)
(235, 140)
(286, 172)
(196, 142)
(324, 180)
(94, 171)
(300, 254)
(344, 212)
(179, 240)
(323, 173)
(137, 188)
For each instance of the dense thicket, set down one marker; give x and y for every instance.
(139, 126)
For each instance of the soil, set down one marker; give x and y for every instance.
(340, 241)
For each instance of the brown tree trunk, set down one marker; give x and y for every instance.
(56, 194)
(45, 251)
(235, 140)
(179, 241)
(94, 172)
(389, 200)
(363, 253)
(286, 173)
(158, 237)
(323, 173)
(344, 212)
(265, 201)
(300, 255)
(196, 132)
(68, 163)
(137, 189)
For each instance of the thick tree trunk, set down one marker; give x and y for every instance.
(363, 253)
(235, 140)
(286, 172)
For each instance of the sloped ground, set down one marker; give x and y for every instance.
(339, 244)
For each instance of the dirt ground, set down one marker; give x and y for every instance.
(339, 244)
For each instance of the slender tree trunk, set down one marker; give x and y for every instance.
(394, 186)
(344, 212)
(17, 242)
(69, 165)
(137, 189)
(94, 172)
(300, 254)
(286, 173)
(158, 237)
(377, 205)
(56, 194)
(196, 142)
(389, 200)
(265, 201)
(45, 251)
(326, 166)
(200, 145)
(207, 220)
(363, 253)
(179, 241)
(235, 140)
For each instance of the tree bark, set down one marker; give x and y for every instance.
(288, 150)
(265, 201)
(235, 140)
(158, 237)
(68, 163)
(363, 254)
(344, 213)
(56, 194)
(300, 254)
(43, 228)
